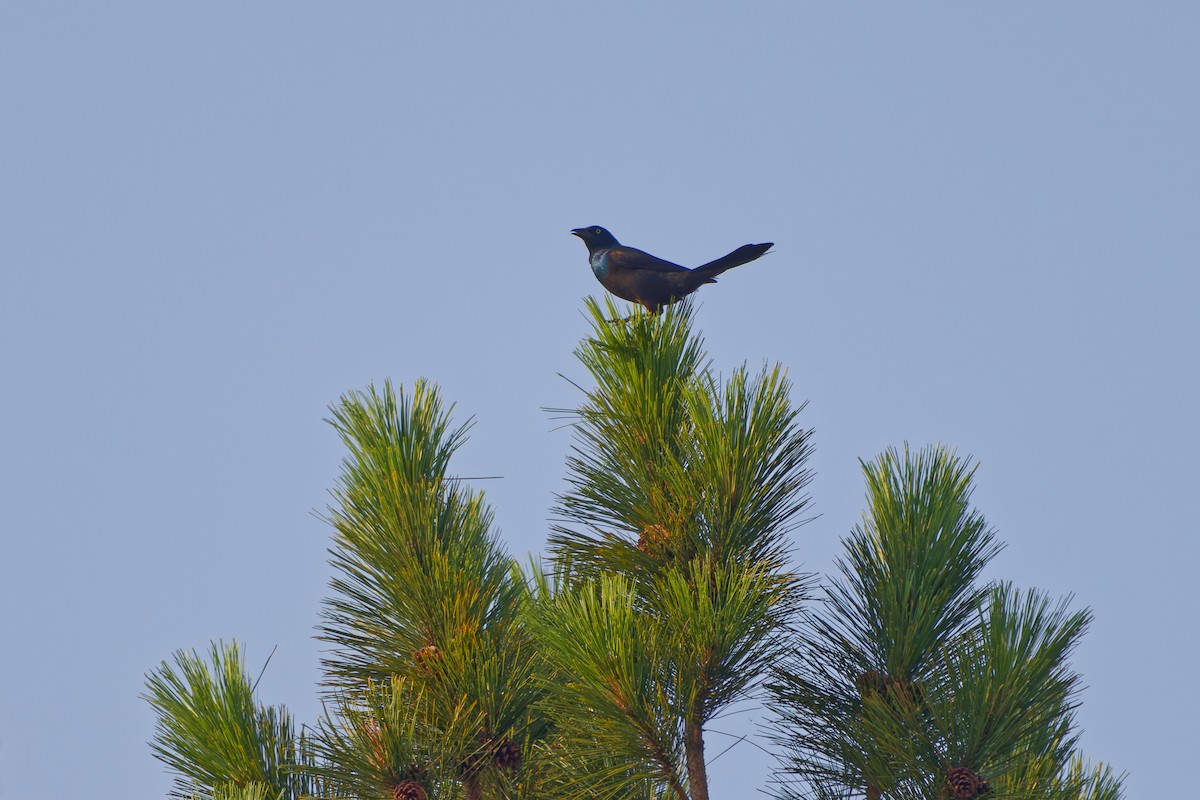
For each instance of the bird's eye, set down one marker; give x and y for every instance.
(596, 231)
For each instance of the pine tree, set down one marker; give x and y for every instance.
(671, 590)
(666, 596)
(425, 613)
(915, 680)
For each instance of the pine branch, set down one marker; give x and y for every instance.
(673, 590)
(423, 589)
(914, 681)
(211, 731)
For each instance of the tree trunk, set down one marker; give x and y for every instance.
(693, 744)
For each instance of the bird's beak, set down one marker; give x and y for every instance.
(577, 232)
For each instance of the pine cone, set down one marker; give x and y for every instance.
(507, 754)
(425, 657)
(652, 538)
(872, 682)
(894, 691)
(409, 790)
(965, 783)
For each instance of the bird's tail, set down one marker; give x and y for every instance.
(743, 255)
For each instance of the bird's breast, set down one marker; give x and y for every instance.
(599, 262)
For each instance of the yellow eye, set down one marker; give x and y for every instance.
(596, 231)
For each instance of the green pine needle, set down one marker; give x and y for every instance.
(213, 734)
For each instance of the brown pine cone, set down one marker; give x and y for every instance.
(507, 754)
(426, 657)
(872, 682)
(409, 790)
(965, 783)
(652, 539)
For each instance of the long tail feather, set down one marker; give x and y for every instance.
(744, 254)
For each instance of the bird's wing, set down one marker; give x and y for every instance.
(632, 258)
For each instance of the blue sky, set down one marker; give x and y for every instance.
(216, 218)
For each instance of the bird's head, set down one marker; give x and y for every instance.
(596, 237)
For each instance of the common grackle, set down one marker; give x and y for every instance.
(632, 274)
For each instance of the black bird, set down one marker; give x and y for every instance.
(632, 274)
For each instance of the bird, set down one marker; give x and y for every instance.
(639, 277)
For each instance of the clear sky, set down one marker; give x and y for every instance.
(217, 217)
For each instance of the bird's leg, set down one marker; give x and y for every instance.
(651, 311)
